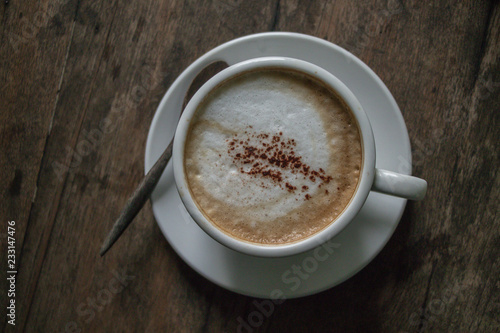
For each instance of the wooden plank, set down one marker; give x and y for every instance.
(435, 61)
(32, 60)
(120, 63)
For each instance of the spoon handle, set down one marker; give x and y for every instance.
(138, 199)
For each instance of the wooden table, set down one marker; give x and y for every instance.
(80, 83)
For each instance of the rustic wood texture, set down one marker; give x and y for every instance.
(79, 84)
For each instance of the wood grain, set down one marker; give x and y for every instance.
(80, 81)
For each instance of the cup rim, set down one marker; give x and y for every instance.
(349, 212)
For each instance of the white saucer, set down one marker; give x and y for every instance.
(354, 248)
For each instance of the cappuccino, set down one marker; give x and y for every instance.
(272, 156)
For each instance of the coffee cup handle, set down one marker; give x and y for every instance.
(399, 185)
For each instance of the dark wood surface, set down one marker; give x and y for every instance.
(80, 82)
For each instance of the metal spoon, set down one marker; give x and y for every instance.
(149, 182)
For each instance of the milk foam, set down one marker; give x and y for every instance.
(267, 200)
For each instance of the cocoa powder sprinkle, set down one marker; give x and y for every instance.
(266, 155)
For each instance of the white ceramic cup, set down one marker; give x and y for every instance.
(371, 178)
